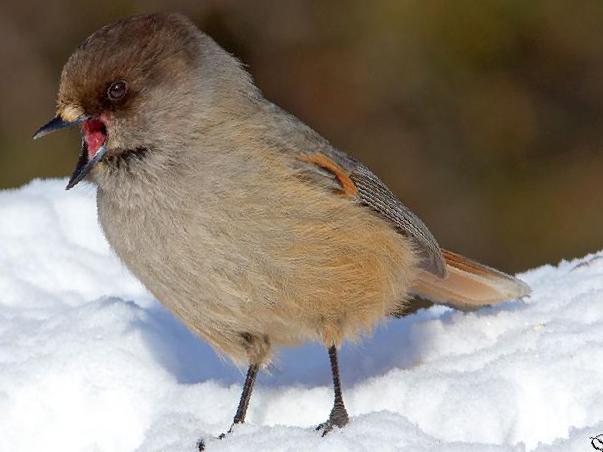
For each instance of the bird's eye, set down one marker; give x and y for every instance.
(117, 90)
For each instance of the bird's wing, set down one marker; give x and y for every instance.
(446, 277)
(356, 180)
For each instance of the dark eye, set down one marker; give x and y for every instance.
(117, 90)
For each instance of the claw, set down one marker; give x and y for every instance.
(326, 427)
(338, 418)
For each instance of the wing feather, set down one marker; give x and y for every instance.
(375, 194)
(358, 181)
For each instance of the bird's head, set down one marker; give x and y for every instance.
(139, 85)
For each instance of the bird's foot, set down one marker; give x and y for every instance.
(337, 418)
(223, 435)
(201, 443)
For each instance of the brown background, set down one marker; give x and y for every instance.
(483, 116)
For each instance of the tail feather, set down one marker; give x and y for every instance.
(469, 285)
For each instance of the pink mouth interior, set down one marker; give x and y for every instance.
(95, 134)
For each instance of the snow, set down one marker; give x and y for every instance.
(89, 361)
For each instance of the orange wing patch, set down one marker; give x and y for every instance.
(347, 185)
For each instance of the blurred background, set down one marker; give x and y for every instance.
(485, 117)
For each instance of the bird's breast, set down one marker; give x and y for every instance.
(260, 251)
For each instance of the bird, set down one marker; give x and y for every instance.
(249, 226)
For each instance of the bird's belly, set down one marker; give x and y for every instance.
(283, 277)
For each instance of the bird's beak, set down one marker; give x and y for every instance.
(57, 123)
(84, 163)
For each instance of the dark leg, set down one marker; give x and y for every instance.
(339, 415)
(243, 403)
(246, 395)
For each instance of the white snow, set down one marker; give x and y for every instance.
(89, 361)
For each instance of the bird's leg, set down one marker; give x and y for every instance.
(239, 417)
(245, 396)
(339, 415)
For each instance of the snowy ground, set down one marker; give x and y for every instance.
(90, 362)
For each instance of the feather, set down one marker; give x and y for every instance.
(469, 285)
(357, 181)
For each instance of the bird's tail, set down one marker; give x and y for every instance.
(469, 285)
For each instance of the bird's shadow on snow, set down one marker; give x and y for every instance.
(396, 343)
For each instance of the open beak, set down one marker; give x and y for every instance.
(57, 123)
(86, 161)
(85, 164)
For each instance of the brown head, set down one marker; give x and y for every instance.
(146, 83)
